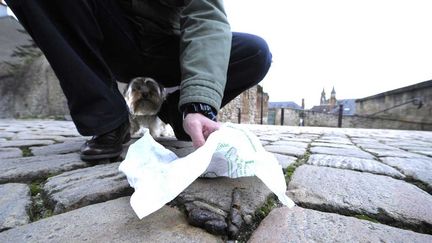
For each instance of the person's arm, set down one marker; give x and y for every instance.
(205, 45)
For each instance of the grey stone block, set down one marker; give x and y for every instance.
(37, 167)
(10, 153)
(59, 148)
(223, 205)
(290, 144)
(112, 221)
(15, 201)
(342, 151)
(418, 168)
(82, 187)
(304, 225)
(333, 145)
(286, 150)
(394, 153)
(284, 160)
(351, 192)
(38, 136)
(352, 163)
(25, 143)
(253, 193)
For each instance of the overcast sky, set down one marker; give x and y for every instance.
(361, 47)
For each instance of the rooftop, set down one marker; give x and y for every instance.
(284, 104)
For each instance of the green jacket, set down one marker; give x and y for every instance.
(205, 43)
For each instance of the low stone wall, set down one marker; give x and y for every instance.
(293, 117)
(397, 105)
(33, 91)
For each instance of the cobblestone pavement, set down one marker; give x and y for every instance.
(350, 185)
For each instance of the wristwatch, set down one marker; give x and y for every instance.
(204, 109)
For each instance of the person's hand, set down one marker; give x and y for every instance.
(199, 128)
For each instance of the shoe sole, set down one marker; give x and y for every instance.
(100, 156)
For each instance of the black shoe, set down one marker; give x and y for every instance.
(106, 146)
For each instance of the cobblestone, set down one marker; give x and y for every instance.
(351, 192)
(339, 174)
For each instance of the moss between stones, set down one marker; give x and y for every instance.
(35, 188)
(365, 217)
(300, 161)
(38, 210)
(246, 232)
(419, 184)
(272, 202)
(26, 151)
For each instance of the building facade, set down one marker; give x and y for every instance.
(250, 107)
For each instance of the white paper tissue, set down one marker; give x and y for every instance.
(158, 175)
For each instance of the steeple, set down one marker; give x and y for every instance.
(323, 100)
(333, 98)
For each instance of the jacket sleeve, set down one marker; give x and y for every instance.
(205, 46)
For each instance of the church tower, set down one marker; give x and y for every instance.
(333, 98)
(323, 100)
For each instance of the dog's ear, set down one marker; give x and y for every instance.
(163, 92)
(126, 89)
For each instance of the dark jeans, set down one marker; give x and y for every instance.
(90, 44)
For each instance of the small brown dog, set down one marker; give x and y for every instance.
(145, 96)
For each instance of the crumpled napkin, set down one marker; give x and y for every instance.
(158, 175)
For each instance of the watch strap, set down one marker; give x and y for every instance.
(204, 109)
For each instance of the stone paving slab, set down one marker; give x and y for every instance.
(228, 206)
(253, 192)
(24, 143)
(10, 153)
(334, 145)
(337, 140)
(403, 143)
(305, 225)
(284, 160)
(296, 139)
(286, 150)
(423, 152)
(112, 221)
(290, 143)
(351, 192)
(221, 206)
(377, 145)
(37, 167)
(60, 148)
(269, 138)
(6, 135)
(394, 153)
(37, 136)
(82, 187)
(418, 169)
(356, 153)
(15, 201)
(351, 163)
